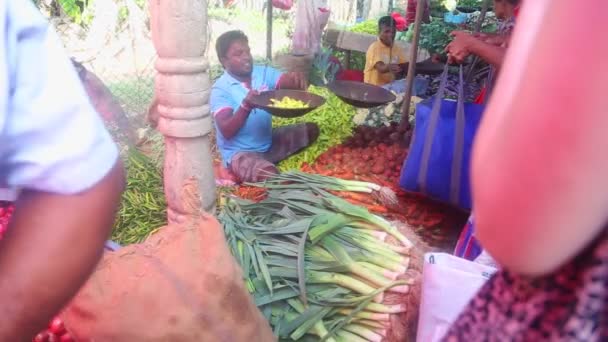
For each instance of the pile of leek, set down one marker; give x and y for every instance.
(317, 266)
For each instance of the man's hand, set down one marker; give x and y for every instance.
(248, 100)
(459, 49)
(230, 122)
(51, 248)
(395, 68)
(293, 80)
(382, 67)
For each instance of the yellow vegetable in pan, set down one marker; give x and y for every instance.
(288, 103)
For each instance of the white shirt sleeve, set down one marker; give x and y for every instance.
(51, 138)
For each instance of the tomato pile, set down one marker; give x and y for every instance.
(6, 211)
(56, 332)
(381, 163)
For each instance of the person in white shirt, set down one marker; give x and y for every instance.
(54, 147)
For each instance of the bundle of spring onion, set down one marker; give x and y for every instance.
(303, 181)
(317, 266)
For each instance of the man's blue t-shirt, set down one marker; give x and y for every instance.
(256, 133)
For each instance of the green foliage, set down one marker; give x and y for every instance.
(357, 59)
(323, 70)
(369, 26)
(73, 8)
(470, 3)
(434, 36)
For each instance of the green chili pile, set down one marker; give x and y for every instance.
(143, 208)
(335, 120)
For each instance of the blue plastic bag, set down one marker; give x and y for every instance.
(438, 163)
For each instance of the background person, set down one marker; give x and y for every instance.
(385, 61)
(249, 146)
(539, 183)
(54, 147)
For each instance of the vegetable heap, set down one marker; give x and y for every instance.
(316, 264)
(288, 103)
(434, 36)
(335, 120)
(433, 221)
(143, 207)
(368, 26)
(56, 332)
(6, 211)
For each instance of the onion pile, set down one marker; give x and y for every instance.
(367, 136)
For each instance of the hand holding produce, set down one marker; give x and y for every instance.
(395, 68)
(248, 101)
(288, 103)
(459, 48)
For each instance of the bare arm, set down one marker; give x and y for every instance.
(489, 52)
(67, 234)
(229, 123)
(465, 44)
(539, 166)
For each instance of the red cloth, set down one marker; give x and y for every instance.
(410, 13)
(481, 97)
(400, 21)
(350, 75)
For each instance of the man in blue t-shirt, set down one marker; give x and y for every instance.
(249, 146)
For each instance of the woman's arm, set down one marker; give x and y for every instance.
(540, 171)
(465, 44)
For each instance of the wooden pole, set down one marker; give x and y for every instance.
(482, 17)
(179, 31)
(411, 72)
(269, 30)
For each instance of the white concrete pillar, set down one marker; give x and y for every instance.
(179, 31)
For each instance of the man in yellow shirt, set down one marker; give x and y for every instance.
(385, 62)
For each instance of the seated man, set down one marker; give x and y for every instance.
(249, 146)
(385, 62)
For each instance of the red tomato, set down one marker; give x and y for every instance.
(42, 337)
(57, 326)
(66, 338)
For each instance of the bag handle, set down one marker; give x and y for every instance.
(430, 130)
(458, 156)
(489, 85)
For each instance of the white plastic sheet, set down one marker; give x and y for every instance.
(448, 284)
(311, 18)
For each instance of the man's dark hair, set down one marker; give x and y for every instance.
(386, 21)
(223, 42)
